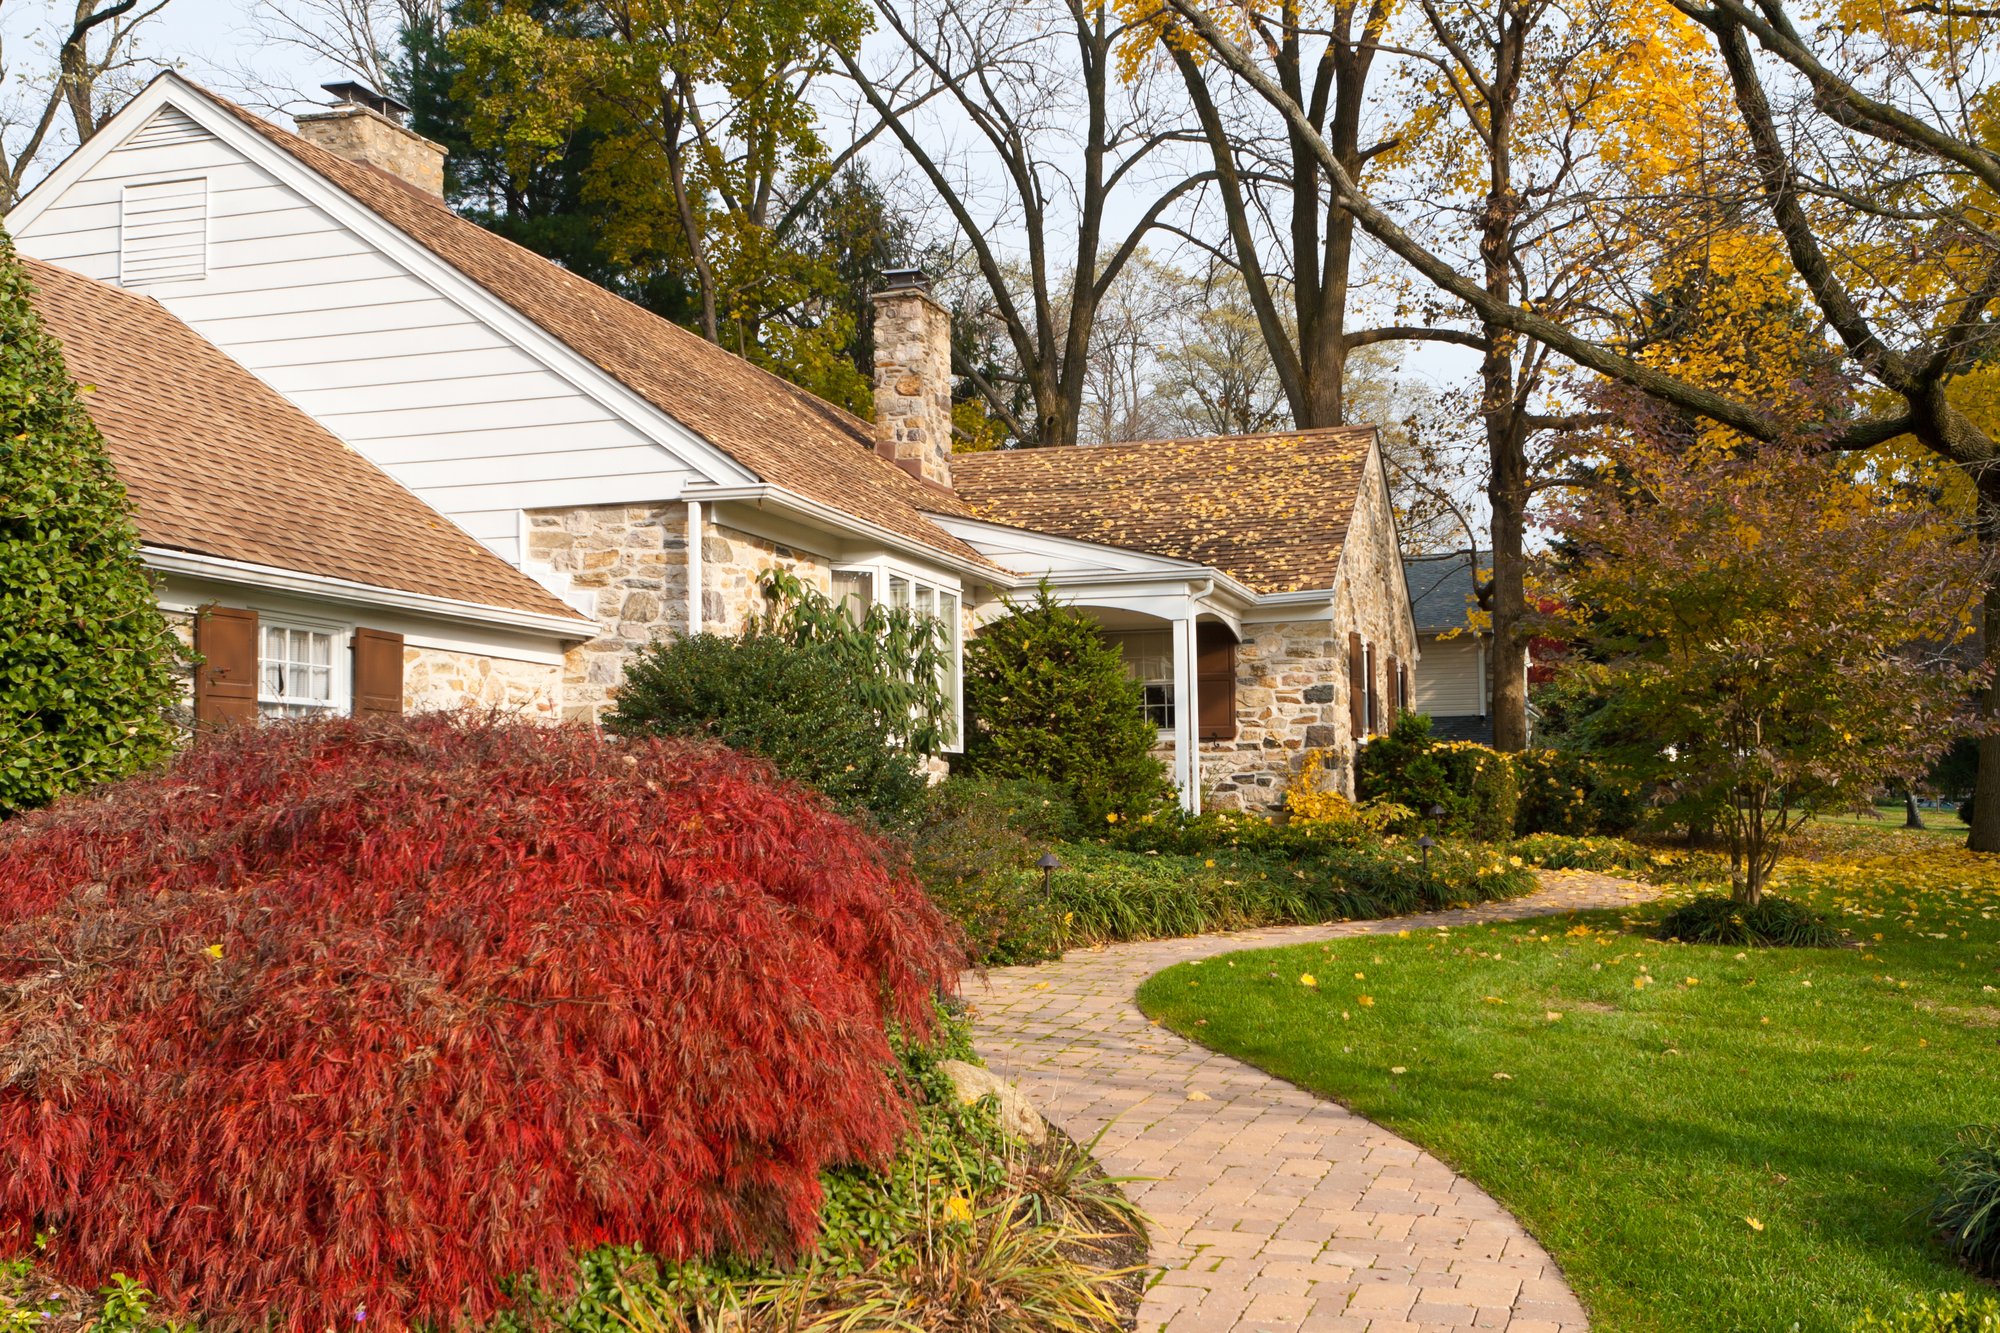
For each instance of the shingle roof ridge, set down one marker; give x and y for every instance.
(867, 468)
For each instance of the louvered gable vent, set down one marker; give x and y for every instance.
(167, 126)
(163, 232)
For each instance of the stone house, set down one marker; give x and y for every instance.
(608, 479)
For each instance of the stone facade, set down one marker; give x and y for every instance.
(1291, 696)
(733, 566)
(363, 135)
(436, 678)
(913, 379)
(631, 561)
(1291, 676)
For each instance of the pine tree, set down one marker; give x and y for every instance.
(1049, 699)
(87, 662)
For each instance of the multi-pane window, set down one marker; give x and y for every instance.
(298, 675)
(860, 588)
(1149, 659)
(853, 592)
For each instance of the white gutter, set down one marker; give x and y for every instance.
(191, 565)
(766, 494)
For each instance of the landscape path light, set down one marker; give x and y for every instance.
(1049, 866)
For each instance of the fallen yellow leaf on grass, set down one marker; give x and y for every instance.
(1755, 1225)
(1308, 979)
(1505, 1077)
(1398, 1069)
(1365, 1001)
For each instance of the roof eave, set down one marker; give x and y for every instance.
(192, 564)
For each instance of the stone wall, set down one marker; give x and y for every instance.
(733, 566)
(437, 678)
(632, 561)
(1291, 695)
(363, 135)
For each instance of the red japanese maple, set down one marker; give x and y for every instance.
(346, 1017)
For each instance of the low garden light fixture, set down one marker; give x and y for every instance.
(1049, 866)
(1424, 845)
(1436, 813)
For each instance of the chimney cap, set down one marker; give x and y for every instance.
(905, 280)
(360, 94)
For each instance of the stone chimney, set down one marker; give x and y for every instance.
(367, 127)
(913, 377)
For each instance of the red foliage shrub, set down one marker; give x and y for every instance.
(343, 1015)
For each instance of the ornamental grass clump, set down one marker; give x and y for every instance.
(1967, 1210)
(349, 1019)
(1769, 922)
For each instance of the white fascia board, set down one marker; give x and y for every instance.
(1121, 564)
(676, 440)
(349, 593)
(830, 518)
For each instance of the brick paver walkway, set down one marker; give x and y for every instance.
(1272, 1209)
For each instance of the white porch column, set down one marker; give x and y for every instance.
(694, 566)
(1187, 713)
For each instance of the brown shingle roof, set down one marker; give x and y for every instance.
(782, 433)
(1270, 510)
(218, 464)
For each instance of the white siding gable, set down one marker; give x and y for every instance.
(389, 357)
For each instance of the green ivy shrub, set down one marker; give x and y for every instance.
(1567, 792)
(795, 704)
(1556, 851)
(1047, 698)
(88, 666)
(967, 851)
(1953, 1312)
(1472, 783)
(1967, 1210)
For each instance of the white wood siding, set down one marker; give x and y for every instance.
(1451, 681)
(437, 398)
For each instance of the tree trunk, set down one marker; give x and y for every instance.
(1911, 818)
(1985, 834)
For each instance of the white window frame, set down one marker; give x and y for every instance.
(340, 660)
(879, 572)
(1166, 684)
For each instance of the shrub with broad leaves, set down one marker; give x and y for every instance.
(349, 1017)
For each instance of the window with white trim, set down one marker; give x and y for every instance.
(1149, 659)
(858, 587)
(301, 669)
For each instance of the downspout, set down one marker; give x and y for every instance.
(694, 566)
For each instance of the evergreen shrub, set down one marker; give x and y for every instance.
(1472, 783)
(1048, 699)
(794, 704)
(89, 670)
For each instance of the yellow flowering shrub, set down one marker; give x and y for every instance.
(1313, 804)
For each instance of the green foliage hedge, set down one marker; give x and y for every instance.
(1048, 699)
(88, 665)
(1474, 785)
(1105, 893)
(794, 704)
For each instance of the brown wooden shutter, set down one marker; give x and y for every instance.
(1357, 686)
(378, 673)
(225, 681)
(1407, 699)
(1395, 689)
(1215, 681)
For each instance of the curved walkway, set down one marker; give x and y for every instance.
(1272, 1209)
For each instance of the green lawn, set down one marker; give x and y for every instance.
(1706, 1138)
